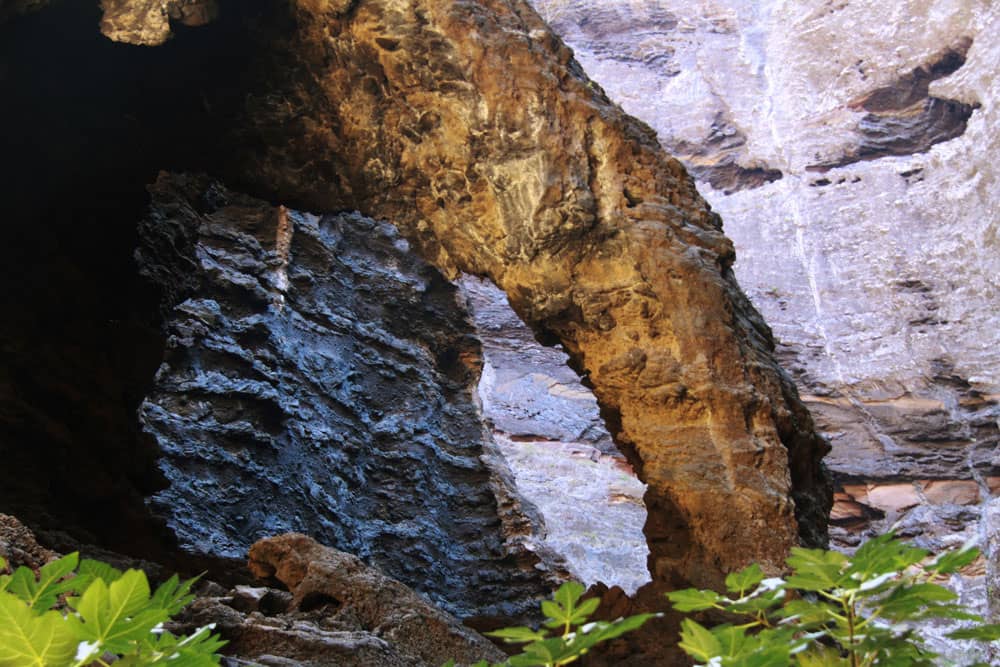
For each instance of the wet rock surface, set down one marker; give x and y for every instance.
(319, 378)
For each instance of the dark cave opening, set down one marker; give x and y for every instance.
(87, 125)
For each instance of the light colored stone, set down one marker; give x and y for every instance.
(878, 277)
(958, 492)
(893, 497)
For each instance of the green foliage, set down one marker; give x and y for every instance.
(832, 611)
(568, 634)
(88, 613)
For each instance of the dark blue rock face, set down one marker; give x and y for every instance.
(320, 378)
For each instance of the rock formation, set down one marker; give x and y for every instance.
(340, 612)
(874, 257)
(318, 576)
(320, 378)
(471, 128)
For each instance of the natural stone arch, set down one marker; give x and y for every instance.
(471, 127)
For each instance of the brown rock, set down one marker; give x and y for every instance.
(954, 491)
(893, 497)
(147, 22)
(471, 127)
(319, 576)
(18, 546)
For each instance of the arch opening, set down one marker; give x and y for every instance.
(548, 427)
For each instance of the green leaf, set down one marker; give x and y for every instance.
(95, 569)
(568, 594)
(815, 569)
(195, 650)
(517, 635)
(556, 615)
(987, 633)
(807, 613)
(744, 580)
(41, 593)
(116, 616)
(698, 642)
(953, 561)
(904, 601)
(173, 595)
(882, 555)
(733, 640)
(586, 608)
(820, 656)
(692, 599)
(31, 640)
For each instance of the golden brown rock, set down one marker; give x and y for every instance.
(147, 22)
(318, 575)
(470, 126)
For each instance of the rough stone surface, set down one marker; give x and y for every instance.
(591, 504)
(875, 256)
(147, 22)
(320, 378)
(319, 576)
(549, 429)
(18, 545)
(470, 126)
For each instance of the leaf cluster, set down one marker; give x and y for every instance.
(832, 611)
(566, 634)
(88, 613)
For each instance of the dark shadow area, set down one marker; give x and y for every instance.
(86, 124)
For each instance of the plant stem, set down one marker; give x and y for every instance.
(849, 608)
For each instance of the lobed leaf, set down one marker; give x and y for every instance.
(568, 594)
(692, 599)
(744, 580)
(173, 595)
(698, 642)
(118, 615)
(517, 635)
(95, 569)
(29, 639)
(953, 561)
(42, 592)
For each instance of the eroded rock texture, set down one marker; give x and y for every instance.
(875, 257)
(320, 378)
(471, 127)
(319, 576)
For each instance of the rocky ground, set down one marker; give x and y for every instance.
(312, 606)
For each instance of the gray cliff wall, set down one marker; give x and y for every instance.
(851, 151)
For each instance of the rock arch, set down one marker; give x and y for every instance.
(473, 129)
(469, 124)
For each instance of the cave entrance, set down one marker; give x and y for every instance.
(549, 429)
